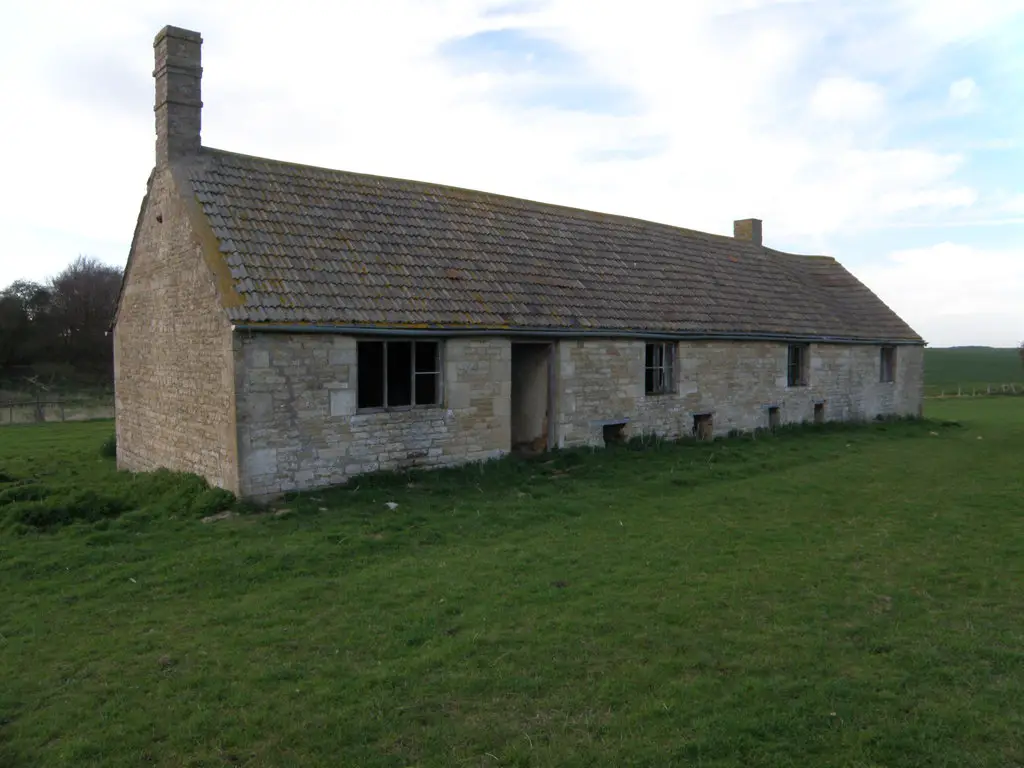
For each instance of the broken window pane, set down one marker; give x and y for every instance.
(370, 373)
(658, 359)
(426, 389)
(796, 368)
(426, 356)
(393, 374)
(399, 370)
(888, 364)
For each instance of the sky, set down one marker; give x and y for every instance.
(886, 133)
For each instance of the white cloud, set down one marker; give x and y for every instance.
(845, 99)
(954, 293)
(963, 94)
(950, 21)
(1014, 205)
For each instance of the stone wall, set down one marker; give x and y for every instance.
(299, 427)
(174, 394)
(602, 381)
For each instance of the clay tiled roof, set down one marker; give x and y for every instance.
(315, 246)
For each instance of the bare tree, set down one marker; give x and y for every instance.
(60, 327)
(83, 297)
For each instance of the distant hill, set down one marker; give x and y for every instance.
(971, 366)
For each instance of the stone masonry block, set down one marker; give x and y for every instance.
(343, 402)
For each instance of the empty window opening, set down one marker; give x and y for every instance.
(888, 364)
(659, 364)
(774, 417)
(819, 413)
(796, 365)
(703, 426)
(427, 373)
(393, 374)
(614, 433)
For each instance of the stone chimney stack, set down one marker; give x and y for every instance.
(179, 105)
(747, 229)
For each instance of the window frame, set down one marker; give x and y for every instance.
(413, 373)
(666, 369)
(803, 365)
(887, 350)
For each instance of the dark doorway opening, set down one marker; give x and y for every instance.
(614, 433)
(703, 426)
(531, 397)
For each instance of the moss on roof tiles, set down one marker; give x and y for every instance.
(426, 253)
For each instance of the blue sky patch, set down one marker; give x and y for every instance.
(537, 73)
(513, 7)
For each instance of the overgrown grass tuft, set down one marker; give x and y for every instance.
(46, 494)
(52, 510)
(108, 449)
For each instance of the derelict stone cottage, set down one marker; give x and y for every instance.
(282, 327)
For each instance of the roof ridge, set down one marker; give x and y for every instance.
(520, 201)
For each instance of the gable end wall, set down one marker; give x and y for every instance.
(173, 358)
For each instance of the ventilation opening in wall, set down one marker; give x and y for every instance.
(819, 413)
(774, 417)
(703, 426)
(614, 433)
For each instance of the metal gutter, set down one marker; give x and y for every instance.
(566, 333)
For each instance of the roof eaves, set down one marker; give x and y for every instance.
(482, 330)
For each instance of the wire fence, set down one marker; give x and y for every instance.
(974, 389)
(51, 409)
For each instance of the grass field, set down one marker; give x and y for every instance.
(837, 597)
(970, 368)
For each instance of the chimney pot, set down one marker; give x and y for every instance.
(747, 229)
(178, 73)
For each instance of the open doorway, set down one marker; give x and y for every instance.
(531, 397)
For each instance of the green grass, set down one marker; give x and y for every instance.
(837, 597)
(970, 368)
